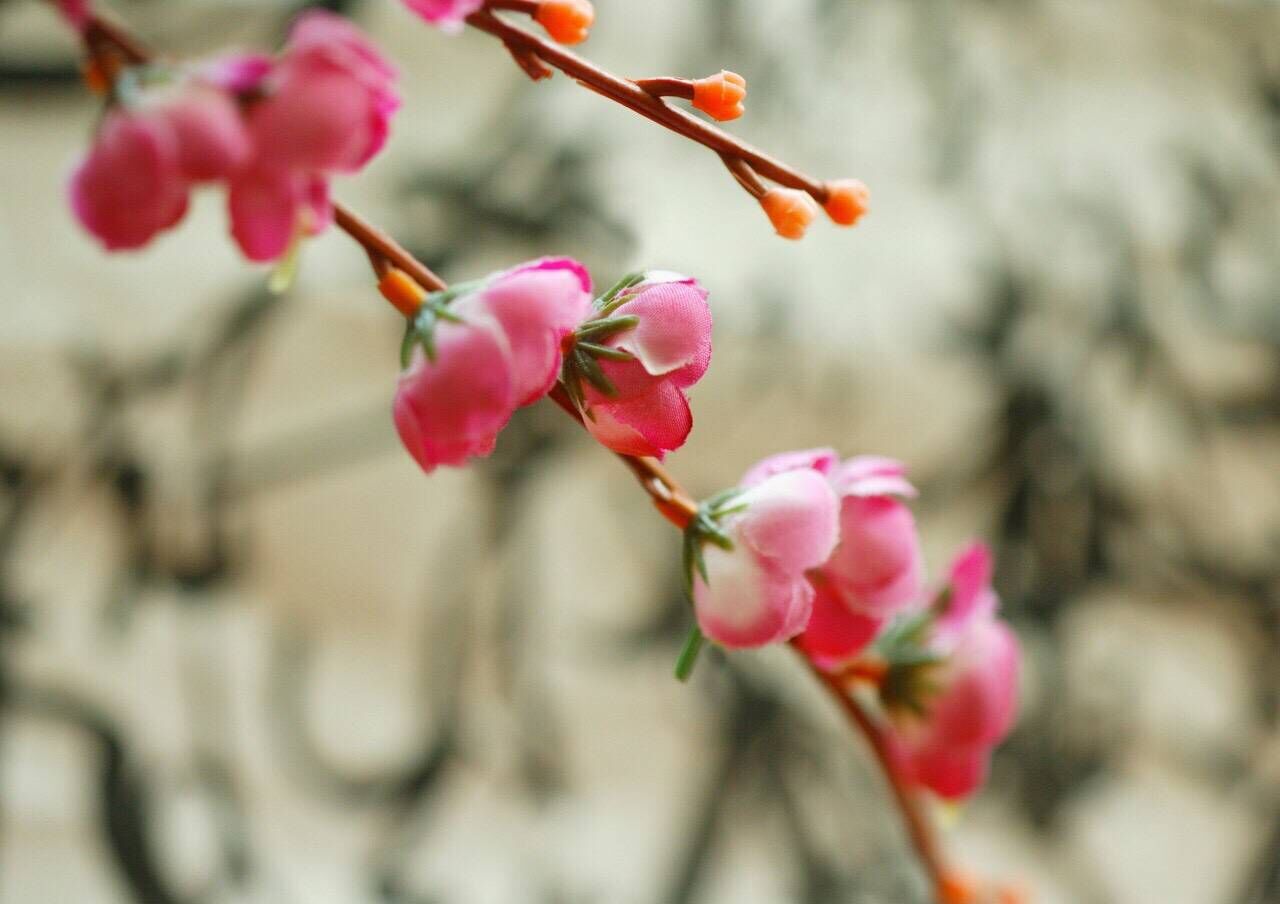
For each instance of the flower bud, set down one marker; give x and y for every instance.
(720, 96)
(789, 210)
(666, 352)
(959, 888)
(566, 21)
(402, 291)
(846, 201)
(756, 593)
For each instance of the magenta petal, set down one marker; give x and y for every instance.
(264, 208)
(820, 460)
(745, 604)
(452, 409)
(212, 139)
(872, 475)
(76, 12)
(448, 14)
(952, 773)
(239, 73)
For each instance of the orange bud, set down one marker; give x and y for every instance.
(94, 77)
(791, 211)
(846, 201)
(1013, 894)
(959, 888)
(401, 290)
(720, 96)
(567, 21)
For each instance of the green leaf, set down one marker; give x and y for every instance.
(688, 657)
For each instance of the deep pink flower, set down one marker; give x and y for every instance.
(76, 12)
(877, 569)
(671, 350)
(451, 409)
(976, 703)
(212, 139)
(757, 593)
(130, 186)
(448, 14)
(835, 633)
(504, 355)
(326, 108)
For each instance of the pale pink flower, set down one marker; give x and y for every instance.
(975, 704)
(130, 186)
(878, 568)
(325, 108)
(505, 354)
(649, 413)
(448, 14)
(757, 593)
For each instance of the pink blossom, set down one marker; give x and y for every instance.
(835, 634)
(76, 12)
(505, 353)
(451, 409)
(877, 569)
(757, 593)
(448, 14)
(131, 185)
(975, 706)
(671, 349)
(326, 108)
(212, 140)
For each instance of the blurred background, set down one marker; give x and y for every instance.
(248, 653)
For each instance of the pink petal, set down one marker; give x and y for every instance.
(872, 475)
(971, 598)
(878, 566)
(952, 773)
(674, 332)
(835, 634)
(537, 305)
(129, 187)
(240, 73)
(211, 135)
(651, 424)
(76, 12)
(448, 14)
(264, 208)
(820, 460)
(452, 409)
(746, 604)
(791, 520)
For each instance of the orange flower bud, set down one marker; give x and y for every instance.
(402, 291)
(791, 211)
(959, 888)
(567, 21)
(720, 96)
(95, 78)
(846, 201)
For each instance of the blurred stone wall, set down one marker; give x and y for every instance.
(250, 654)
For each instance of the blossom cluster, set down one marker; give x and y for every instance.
(476, 353)
(827, 553)
(272, 130)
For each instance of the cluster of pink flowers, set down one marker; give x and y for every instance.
(827, 552)
(273, 130)
(503, 342)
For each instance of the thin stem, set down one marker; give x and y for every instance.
(633, 97)
(919, 826)
(665, 86)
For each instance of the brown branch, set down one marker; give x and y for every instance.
(676, 505)
(634, 97)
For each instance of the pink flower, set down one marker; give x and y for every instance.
(131, 185)
(670, 348)
(835, 634)
(877, 569)
(326, 108)
(505, 354)
(448, 14)
(76, 12)
(757, 593)
(975, 706)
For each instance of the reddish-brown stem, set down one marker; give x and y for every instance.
(676, 505)
(528, 7)
(632, 96)
(919, 826)
(745, 175)
(665, 86)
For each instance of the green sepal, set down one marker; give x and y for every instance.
(609, 300)
(688, 657)
(603, 351)
(590, 369)
(605, 327)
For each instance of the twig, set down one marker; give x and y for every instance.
(676, 505)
